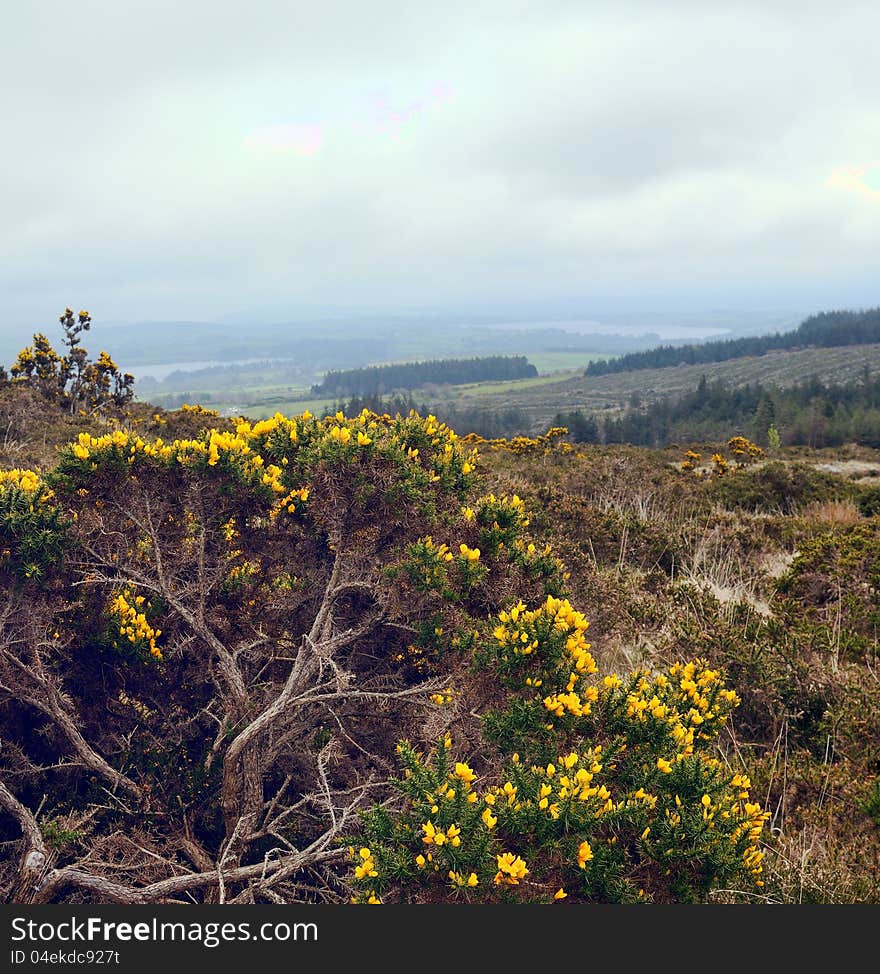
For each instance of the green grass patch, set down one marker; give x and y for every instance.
(546, 362)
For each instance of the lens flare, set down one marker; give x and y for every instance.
(864, 179)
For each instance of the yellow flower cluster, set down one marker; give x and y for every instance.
(565, 786)
(521, 632)
(290, 501)
(243, 572)
(585, 854)
(514, 503)
(459, 880)
(744, 450)
(751, 824)
(197, 410)
(511, 869)
(434, 836)
(691, 704)
(229, 531)
(440, 552)
(129, 610)
(366, 866)
(691, 459)
(572, 702)
(721, 464)
(26, 480)
(740, 819)
(521, 444)
(212, 448)
(263, 428)
(259, 452)
(469, 554)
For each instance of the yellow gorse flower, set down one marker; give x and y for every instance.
(26, 480)
(585, 854)
(511, 869)
(367, 865)
(132, 623)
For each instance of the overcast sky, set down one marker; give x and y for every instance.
(190, 159)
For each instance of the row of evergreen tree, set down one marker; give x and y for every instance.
(827, 329)
(810, 413)
(381, 380)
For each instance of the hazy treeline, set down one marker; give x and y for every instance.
(810, 413)
(382, 379)
(824, 330)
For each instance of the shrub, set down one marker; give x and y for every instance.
(834, 579)
(636, 808)
(777, 486)
(230, 632)
(72, 380)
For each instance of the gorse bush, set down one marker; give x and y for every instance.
(835, 579)
(72, 380)
(231, 631)
(32, 534)
(636, 808)
(777, 486)
(241, 634)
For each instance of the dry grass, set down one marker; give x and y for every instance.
(839, 513)
(714, 566)
(774, 564)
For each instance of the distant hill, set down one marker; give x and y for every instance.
(828, 329)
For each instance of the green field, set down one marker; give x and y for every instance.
(451, 395)
(263, 388)
(549, 362)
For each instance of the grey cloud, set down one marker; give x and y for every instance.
(587, 146)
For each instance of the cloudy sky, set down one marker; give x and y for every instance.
(192, 159)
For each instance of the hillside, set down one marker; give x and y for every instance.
(829, 329)
(539, 404)
(167, 573)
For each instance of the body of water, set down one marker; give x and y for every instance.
(164, 369)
